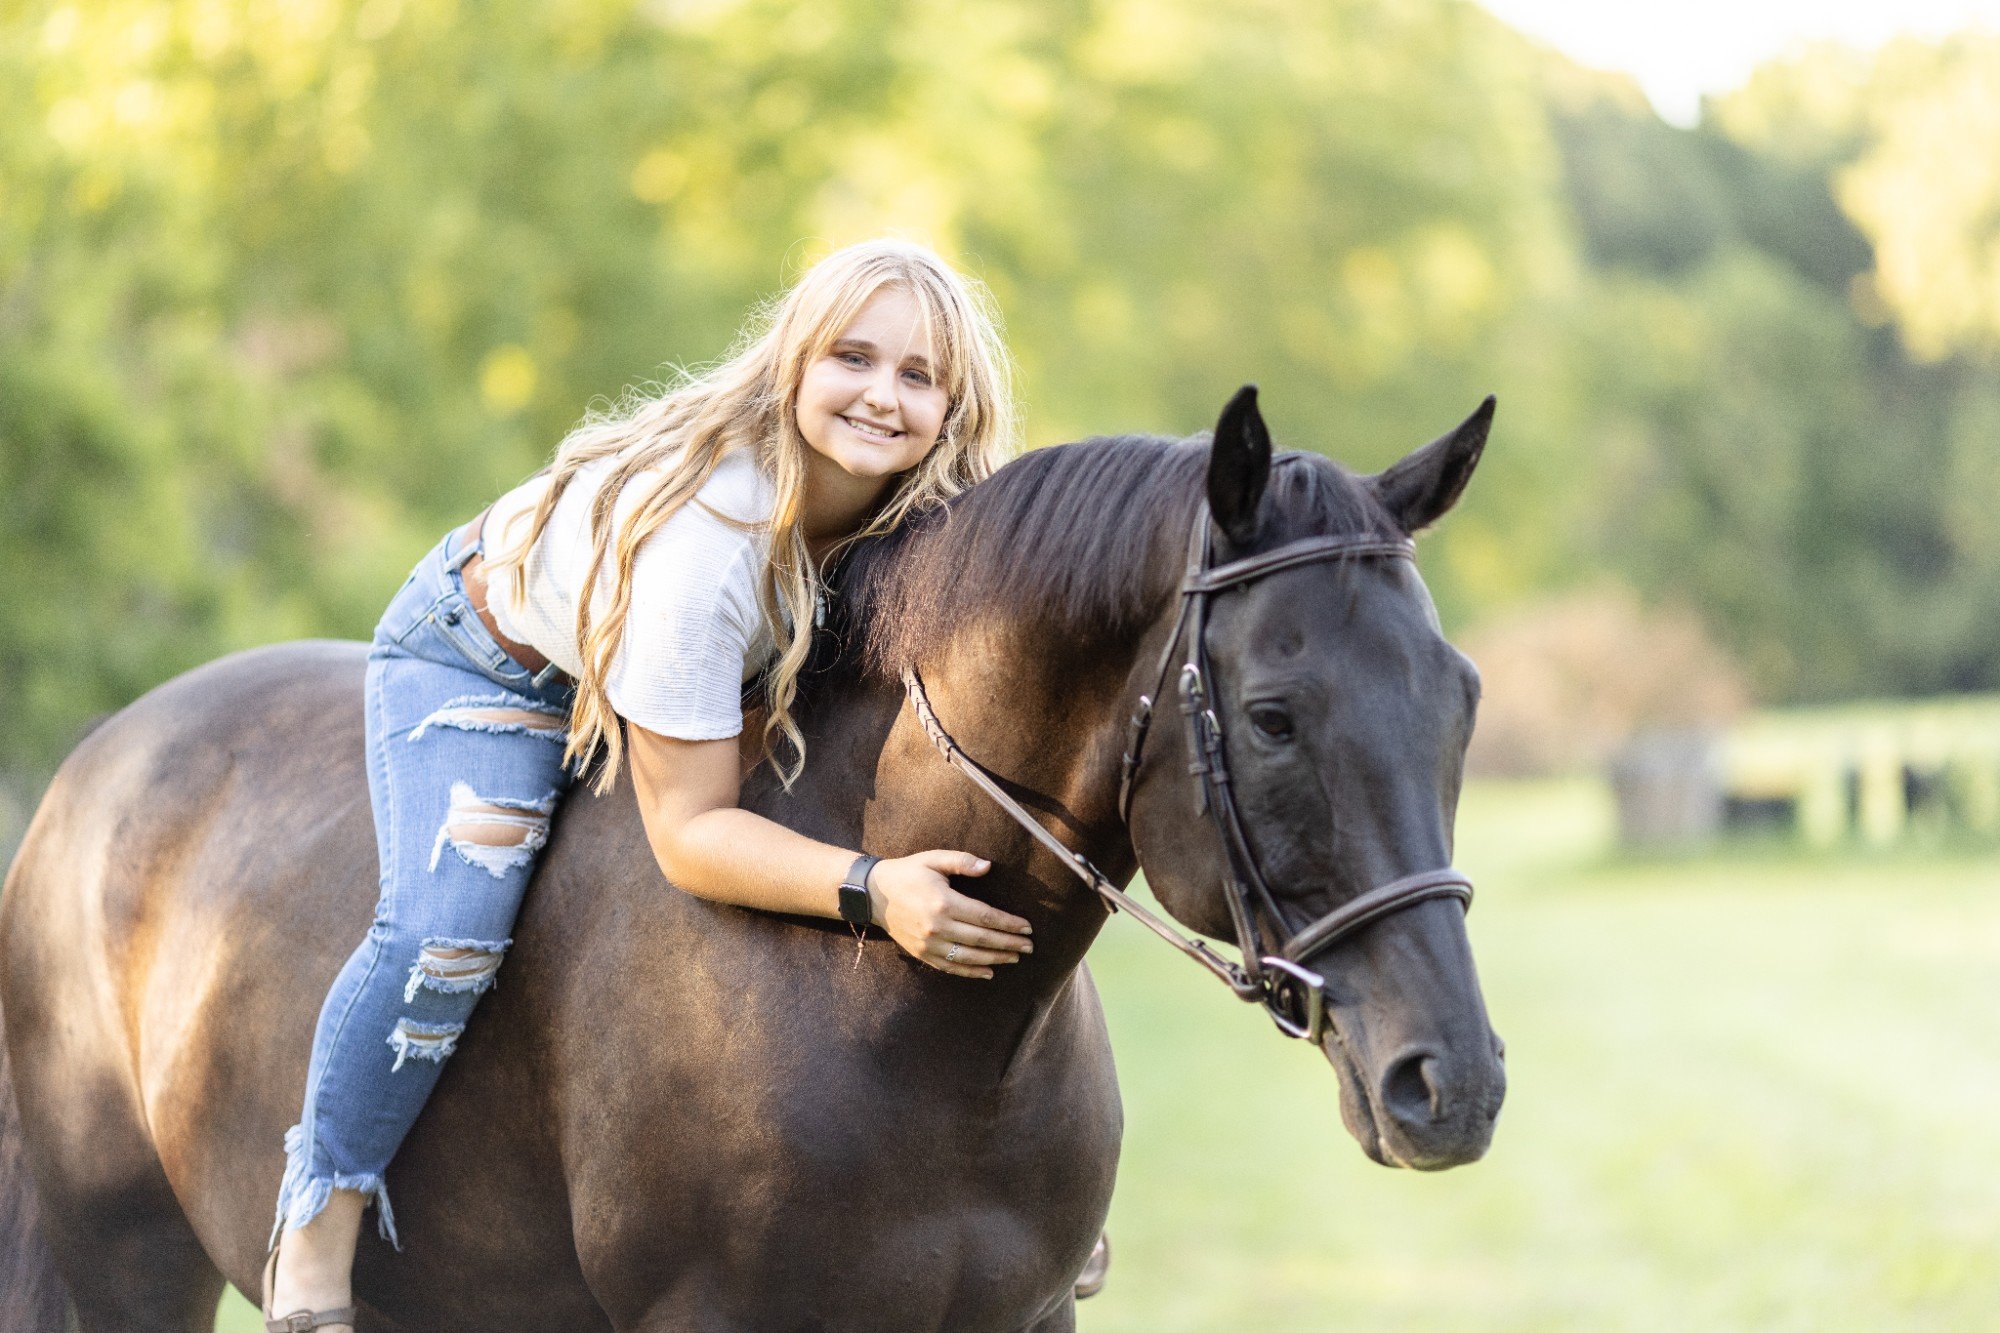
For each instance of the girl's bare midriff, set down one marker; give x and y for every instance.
(474, 574)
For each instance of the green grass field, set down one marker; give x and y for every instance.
(1750, 1091)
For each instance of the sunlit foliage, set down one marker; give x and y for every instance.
(285, 289)
(1912, 137)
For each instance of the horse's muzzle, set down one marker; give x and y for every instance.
(1425, 1107)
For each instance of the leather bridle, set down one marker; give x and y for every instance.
(1292, 993)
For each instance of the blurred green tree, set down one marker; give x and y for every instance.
(286, 289)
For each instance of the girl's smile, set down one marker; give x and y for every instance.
(876, 432)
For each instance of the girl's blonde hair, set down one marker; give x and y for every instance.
(670, 443)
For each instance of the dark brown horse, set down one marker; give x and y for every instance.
(679, 1115)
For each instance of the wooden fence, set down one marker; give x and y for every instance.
(1869, 773)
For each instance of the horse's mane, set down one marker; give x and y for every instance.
(1089, 537)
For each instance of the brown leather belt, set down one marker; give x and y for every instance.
(473, 571)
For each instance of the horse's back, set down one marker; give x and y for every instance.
(184, 776)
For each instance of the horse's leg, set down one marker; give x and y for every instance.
(113, 1224)
(141, 1270)
(125, 1248)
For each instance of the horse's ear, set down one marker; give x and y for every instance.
(1418, 491)
(1239, 463)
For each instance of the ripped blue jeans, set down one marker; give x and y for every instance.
(465, 766)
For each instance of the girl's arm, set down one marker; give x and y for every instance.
(687, 797)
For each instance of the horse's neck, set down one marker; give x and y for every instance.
(1044, 726)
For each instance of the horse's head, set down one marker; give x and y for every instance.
(1343, 716)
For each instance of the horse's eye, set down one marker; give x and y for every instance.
(1272, 720)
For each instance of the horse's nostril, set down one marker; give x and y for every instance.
(1499, 1047)
(1409, 1090)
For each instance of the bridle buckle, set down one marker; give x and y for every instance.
(1295, 998)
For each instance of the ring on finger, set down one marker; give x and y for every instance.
(951, 954)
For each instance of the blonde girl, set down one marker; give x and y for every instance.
(610, 611)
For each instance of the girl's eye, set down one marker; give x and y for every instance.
(1272, 721)
(854, 358)
(918, 377)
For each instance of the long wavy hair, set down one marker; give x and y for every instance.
(669, 440)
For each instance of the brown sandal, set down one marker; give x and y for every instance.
(298, 1321)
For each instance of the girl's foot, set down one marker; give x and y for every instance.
(299, 1317)
(308, 1280)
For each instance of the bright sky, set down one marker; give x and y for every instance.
(1680, 49)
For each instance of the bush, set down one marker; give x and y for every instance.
(1568, 680)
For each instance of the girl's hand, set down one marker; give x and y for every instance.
(938, 925)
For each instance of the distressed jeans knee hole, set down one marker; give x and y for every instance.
(423, 1041)
(494, 833)
(452, 966)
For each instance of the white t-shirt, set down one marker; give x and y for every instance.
(693, 634)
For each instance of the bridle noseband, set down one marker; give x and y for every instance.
(1291, 992)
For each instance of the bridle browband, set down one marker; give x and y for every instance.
(1292, 993)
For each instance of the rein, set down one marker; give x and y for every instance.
(1116, 898)
(1292, 993)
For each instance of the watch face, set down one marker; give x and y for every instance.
(854, 904)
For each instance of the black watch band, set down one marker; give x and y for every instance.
(855, 907)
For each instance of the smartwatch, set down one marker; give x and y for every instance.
(855, 909)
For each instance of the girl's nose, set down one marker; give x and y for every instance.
(880, 392)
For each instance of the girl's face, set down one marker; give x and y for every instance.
(871, 406)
